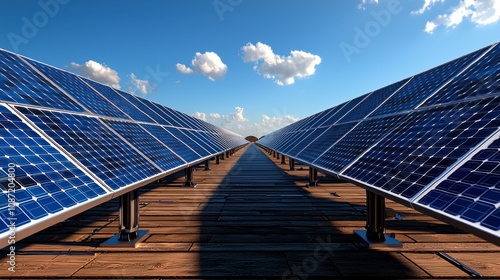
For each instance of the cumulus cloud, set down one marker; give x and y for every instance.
(97, 72)
(143, 86)
(365, 2)
(236, 116)
(201, 116)
(208, 64)
(214, 116)
(479, 12)
(282, 69)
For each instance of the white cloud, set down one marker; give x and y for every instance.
(97, 72)
(236, 116)
(427, 6)
(201, 116)
(480, 12)
(214, 116)
(365, 2)
(282, 69)
(208, 64)
(143, 86)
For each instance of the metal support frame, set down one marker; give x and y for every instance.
(291, 163)
(217, 160)
(207, 165)
(129, 234)
(188, 173)
(222, 156)
(274, 154)
(277, 156)
(375, 223)
(227, 154)
(283, 159)
(313, 177)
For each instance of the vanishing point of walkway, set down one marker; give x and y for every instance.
(251, 218)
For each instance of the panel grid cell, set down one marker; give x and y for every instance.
(423, 85)
(94, 146)
(356, 142)
(75, 87)
(37, 171)
(178, 142)
(145, 143)
(19, 83)
(482, 78)
(472, 191)
(425, 144)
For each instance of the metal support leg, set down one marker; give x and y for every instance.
(313, 177)
(129, 234)
(274, 154)
(277, 156)
(188, 172)
(129, 216)
(227, 154)
(207, 165)
(283, 159)
(222, 156)
(375, 220)
(291, 162)
(375, 223)
(217, 160)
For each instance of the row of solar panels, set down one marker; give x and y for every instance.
(430, 141)
(69, 143)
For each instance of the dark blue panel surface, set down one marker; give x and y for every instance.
(148, 145)
(327, 139)
(425, 144)
(37, 170)
(21, 84)
(202, 140)
(177, 142)
(424, 85)
(95, 146)
(482, 78)
(472, 190)
(357, 141)
(75, 87)
(138, 102)
(305, 141)
(374, 100)
(119, 101)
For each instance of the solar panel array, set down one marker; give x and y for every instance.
(429, 141)
(69, 143)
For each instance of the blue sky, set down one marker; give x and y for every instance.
(248, 65)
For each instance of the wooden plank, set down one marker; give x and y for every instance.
(434, 265)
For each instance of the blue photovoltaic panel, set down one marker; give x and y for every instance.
(202, 141)
(120, 101)
(75, 87)
(374, 100)
(94, 146)
(472, 191)
(145, 143)
(178, 142)
(164, 116)
(19, 83)
(356, 142)
(138, 102)
(425, 144)
(41, 173)
(344, 109)
(327, 139)
(482, 78)
(423, 85)
(305, 141)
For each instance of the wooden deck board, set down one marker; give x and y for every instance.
(250, 218)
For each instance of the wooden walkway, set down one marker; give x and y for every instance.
(251, 218)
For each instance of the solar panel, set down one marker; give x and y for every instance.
(429, 141)
(19, 83)
(424, 85)
(85, 95)
(42, 180)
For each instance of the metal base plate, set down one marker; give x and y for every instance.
(114, 242)
(389, 241)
